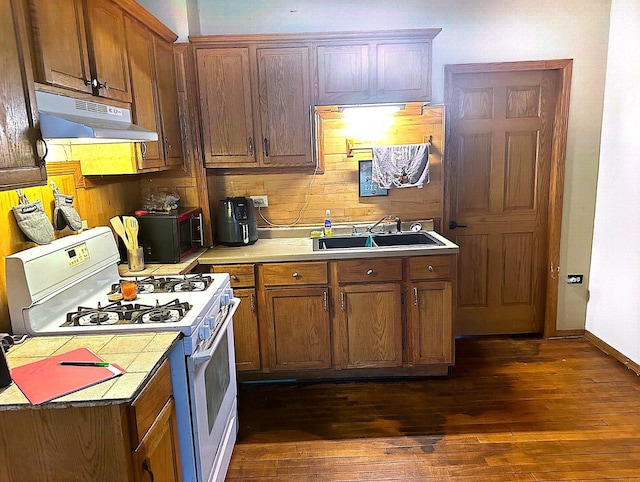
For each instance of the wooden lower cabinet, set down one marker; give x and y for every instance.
(298, 328)
(429, 323)
(357, 317)
(369, 326)
(246, 331)
(129, 441)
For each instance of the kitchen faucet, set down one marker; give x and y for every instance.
(384, 218)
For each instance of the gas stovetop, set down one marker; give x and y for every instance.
(72, 286)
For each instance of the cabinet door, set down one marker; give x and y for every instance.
(107, 44)
(403, 71)
(168, 94)
(299, 328)
(370, 325)
(284, 86)
(146, 111)
(226, 107)
(343, 74)
(157, 456)
(430, 331)
(20, 164)
(245, 331)
(60, 44)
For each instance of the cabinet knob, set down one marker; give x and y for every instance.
(234, 277)
(430, 268)
(295, 275)
(369, 272)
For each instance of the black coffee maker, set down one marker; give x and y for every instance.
(237, 222)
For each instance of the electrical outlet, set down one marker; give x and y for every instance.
(574, 279)
(260, 201)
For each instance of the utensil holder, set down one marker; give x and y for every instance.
(135, 259)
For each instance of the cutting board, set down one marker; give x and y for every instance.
(46, 379)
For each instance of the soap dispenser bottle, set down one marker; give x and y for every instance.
(328, 230)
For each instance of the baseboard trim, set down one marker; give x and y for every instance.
(609, 350)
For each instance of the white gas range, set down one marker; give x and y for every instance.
(68, 287)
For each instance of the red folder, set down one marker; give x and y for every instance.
(46, 379)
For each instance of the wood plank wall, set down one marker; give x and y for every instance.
(95, 202)
(337, 187)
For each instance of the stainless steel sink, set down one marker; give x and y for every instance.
(361, 241)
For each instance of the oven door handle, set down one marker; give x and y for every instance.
(207, 353)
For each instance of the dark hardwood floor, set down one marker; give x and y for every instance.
(512, 409)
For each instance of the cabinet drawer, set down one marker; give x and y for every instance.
(294, 274)
(430, 267)
(146, 407)
(241, 275)
(367, 270)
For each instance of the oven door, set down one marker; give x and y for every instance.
(214, 400)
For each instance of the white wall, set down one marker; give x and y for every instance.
(475, 31)
(613, 313)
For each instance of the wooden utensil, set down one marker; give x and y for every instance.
(118, 227)
(131, 227)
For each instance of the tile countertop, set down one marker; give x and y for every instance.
(139, 354)
(153, 269)
(295, 244)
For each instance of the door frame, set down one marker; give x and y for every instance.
(558, 157)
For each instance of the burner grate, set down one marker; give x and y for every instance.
(171, 284)
(119, 313)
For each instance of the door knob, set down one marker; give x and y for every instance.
(454, 225)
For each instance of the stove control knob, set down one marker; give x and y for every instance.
(205, 331)
(225, 299)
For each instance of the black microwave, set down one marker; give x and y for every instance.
(169, 237)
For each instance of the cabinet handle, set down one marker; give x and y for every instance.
(369, 272)
(295, 275)
(143, 147)
(89, 82)
(325, 301)
(430, 268)
(265, 145)
(250, 142)
(253, 302)
(42, 149)
(147, 468)
(96, 84)
(415, 296)
(167, 144)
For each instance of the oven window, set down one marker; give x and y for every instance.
(217, 379)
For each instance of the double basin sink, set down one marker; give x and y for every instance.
(373, 241)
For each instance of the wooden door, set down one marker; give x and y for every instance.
(500, 143)
(370, 326)
(146, 111)
(430, 327)
(246, 331)
(168, 99)
(60, 42)
(20, 164)
(285, 106)
(226, 107)
(299, 334)
(107, 43)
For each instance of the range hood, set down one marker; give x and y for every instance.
(67, 120)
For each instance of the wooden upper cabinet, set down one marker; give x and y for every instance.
(168, 99)
(255, 105)
(110, 66)
(60, 42)
(226, 107)
(284, 86)
(389, 67)
(80, 45)
(343, 74)
(20, 164)
(146, 111)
